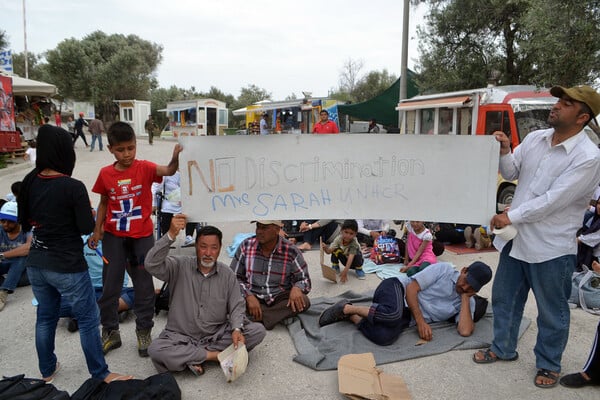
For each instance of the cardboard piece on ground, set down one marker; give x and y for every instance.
(359, 379)
(233, 361)
(326, 270)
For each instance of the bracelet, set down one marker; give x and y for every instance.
(309, 227)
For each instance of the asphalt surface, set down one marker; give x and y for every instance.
(271, 372)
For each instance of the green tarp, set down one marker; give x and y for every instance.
(382, 107)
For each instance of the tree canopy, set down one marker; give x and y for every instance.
(104, 68)
(464, 43)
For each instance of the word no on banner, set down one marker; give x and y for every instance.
(445, 178)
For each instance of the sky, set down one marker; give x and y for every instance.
(284, 47)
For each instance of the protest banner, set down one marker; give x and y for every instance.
(443, 178)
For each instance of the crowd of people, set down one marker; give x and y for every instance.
(214, 305)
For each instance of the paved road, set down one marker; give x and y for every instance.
(272, 374)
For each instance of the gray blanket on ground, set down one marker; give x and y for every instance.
(321, 348)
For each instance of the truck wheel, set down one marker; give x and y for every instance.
(506, 195)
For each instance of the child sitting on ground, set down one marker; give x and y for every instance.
(418, 252)
(345, 249)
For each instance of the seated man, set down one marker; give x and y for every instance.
(206, 312)
(14, 248)
(438, 293)
(326, 229)
(273, 275)
(371, 229)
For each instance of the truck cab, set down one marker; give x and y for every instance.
(515, 110)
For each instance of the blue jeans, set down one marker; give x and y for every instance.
(94, 137)
(14, 269)
(550, 282)
(387, 315)
(48, 286)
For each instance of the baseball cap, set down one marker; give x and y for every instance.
(9, 211)
(478, 274)
(268, 222)
(582, 93)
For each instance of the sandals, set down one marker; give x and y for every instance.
(544, 373)
(114, 377)
(50, 379)
(196, 369)
(489, 357)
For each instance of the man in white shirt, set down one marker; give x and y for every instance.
(264, 129)
(558, 169)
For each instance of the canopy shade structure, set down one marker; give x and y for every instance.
(29, 87)
(382, 107)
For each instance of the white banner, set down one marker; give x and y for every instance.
(442, 178)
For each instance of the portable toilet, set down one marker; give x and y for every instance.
(135, 113)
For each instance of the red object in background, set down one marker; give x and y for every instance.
(10, 139)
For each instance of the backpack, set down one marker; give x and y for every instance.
(156, 387)
(161, 300)
(20, 388)
(385, 250)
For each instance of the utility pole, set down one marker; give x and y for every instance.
(25, 41)
(404, 61)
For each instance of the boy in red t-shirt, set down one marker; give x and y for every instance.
(126, 230)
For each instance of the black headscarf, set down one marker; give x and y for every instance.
(54, 151)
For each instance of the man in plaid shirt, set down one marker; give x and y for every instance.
(273, 275)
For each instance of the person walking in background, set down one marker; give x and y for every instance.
(79, 124)
(558, 170)
(264, 127)
(96, 129)
(150, 128)
(57, 119)
(58, 207)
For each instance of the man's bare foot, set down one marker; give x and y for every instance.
(113, 376)
(596, 266)
(304, 246)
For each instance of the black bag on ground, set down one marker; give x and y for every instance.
(161, 301)
(159, 387)
(20, 388)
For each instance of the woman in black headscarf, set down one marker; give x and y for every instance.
(57, 207)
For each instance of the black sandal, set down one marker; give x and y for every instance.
(542, 372)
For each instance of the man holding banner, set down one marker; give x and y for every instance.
(558, 170)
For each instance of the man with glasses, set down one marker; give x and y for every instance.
(14, 248)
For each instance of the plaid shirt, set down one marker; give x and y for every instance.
(267, 277)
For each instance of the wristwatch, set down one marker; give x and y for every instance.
(309, 227)
(2, 257)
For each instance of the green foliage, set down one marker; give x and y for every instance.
(35, 67)
(373, 84)
(362, 88)
(464, 42)
(103, 68)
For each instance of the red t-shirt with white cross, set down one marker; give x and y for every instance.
(129, 198)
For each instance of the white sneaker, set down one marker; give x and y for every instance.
(189, 241)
